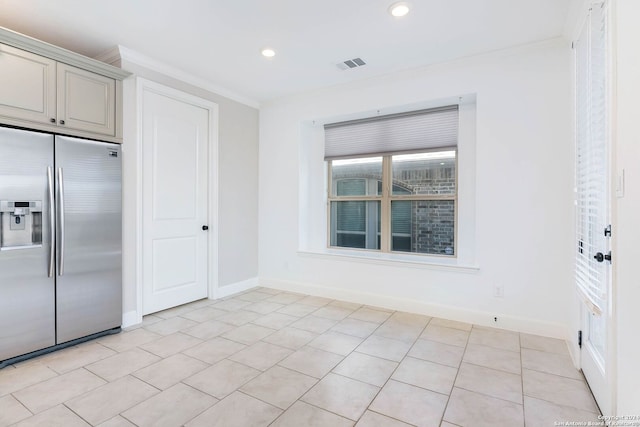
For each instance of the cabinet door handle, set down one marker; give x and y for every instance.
(61, 122)
(52, 120)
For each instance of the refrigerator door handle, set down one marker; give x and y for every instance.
(52, 220)
(61, 220)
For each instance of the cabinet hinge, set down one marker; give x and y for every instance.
(607, 231)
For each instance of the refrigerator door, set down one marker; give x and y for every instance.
(27, 293)
(89, 237)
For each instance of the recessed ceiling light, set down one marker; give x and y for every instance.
(268, 52)
(399, 9)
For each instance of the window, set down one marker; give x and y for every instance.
(401, 200)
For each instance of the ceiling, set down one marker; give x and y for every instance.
(220, 41)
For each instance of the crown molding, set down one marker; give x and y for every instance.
(111, 56)
(123, 54)
(59, 54)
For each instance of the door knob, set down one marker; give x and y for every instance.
(205, 227)
(601, 257)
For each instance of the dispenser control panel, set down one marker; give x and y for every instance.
(20, 223)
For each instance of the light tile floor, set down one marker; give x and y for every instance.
(266, 357)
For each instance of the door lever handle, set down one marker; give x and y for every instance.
(601, 257)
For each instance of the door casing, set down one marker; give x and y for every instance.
(140, 86)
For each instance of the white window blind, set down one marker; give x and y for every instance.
(591, 156)
(417, 130)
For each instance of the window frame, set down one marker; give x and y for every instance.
(386, 198)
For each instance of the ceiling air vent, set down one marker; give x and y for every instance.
(351, 63)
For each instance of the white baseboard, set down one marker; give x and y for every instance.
(234, 288)
(131, 318)
(482, 318)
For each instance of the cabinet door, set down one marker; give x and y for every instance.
(27, 85)
(86, 101)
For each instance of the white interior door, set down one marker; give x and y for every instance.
(175, 144)
(593, 232)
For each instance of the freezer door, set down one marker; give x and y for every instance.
(89, 237)
(27, 293)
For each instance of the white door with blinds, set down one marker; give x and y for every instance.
(593, 230)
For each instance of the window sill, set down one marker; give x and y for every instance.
(391, 259)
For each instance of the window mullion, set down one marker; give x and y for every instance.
(331, 210)
(385, 208)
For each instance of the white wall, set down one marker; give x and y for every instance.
(523, 192)
(626, 251)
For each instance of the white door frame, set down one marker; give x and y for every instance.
(143, 85)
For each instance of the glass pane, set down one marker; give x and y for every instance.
(356, 177)
(351, 217)
(355, 224)
(351, 187)
(424, 173)
(423, 226)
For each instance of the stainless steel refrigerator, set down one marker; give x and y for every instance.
(60, 241)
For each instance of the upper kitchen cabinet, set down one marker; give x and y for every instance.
(27, 85)
(48, 88)
(86, 101)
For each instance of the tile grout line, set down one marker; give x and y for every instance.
(121, 413)
(323, 377)
(201, 412)
(21, 404)
(524, 411)
(368, 408)
(132, 374)
(389, 416)
(583, 380)
(466, 344)
(310, 404)
(563, 405)
(343, 358)
(489, 396)
(493, 369)
(163, 390)
(76, 414)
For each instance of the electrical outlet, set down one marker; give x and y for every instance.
(498, 291)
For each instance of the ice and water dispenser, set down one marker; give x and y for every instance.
(21, 224)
